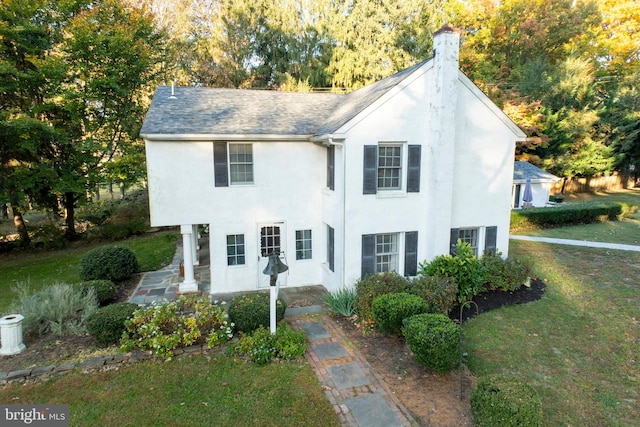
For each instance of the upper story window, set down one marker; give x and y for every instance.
(232, 164)
(241, 163)
(391, 166)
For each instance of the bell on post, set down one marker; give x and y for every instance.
(274, 267)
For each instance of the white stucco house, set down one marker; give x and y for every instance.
(540, 180)
(338, 185)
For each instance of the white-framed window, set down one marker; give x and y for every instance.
(389, 167)
(386, 252)
(303, 244)
(235, 249)
(240, 164)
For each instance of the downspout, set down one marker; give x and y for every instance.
(344, 206)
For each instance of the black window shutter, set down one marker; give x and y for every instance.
(410, 253)
(220, 168)
(413, 169)
(370, 172)
(453, 240)
(368, 254)
(331, 167)
(516, 197)
(330, 247)
(490, 239)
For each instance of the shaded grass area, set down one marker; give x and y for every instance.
(42, 268)
(193, 391)
(579, 345)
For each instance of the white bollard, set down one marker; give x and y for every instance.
(11, 335)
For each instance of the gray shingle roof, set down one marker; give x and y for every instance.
(524, 170)
(213, 111)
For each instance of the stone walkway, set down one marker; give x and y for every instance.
(358, 394)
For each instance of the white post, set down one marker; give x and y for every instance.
(194, 245)
(274, 301)
(189, 284)
(11, 334)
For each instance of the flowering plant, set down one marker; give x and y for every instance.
(160, 329)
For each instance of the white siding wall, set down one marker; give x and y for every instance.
(289, 180)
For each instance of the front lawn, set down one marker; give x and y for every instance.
(191, 391)
(580, 345)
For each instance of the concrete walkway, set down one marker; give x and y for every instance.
(358, 394)
(584, 243)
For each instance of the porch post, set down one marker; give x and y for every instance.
(194, 246)
(189, 284)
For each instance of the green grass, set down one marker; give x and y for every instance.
(580, 345)
(626, 231)
(195, 391)
(42, 268)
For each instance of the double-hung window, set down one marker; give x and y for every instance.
(241, 163)
(386, 252)
(392, 167)
(389, 167)
(232, 163)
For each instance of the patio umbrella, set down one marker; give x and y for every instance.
(527, 196)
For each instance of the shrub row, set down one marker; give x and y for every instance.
(537, 218)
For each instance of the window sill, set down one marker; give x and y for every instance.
(390, 194)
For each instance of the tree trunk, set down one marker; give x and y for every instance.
(21, 227)
(70, 215)
(5, 211)
(111, 190)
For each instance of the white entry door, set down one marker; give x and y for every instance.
(272, 239)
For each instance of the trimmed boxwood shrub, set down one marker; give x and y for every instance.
(438, 291)
(434, 340)
(107, 324)
(105, 290)
(374, 285)
(389, 310)
(251, 310)
(505, 401)
(108, 263)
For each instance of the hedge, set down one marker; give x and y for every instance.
(537, 218)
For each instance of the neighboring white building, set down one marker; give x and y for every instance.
(541, 182)
(340, 185)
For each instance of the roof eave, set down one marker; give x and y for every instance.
(224, 137)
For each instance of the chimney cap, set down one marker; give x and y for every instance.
(446, 28)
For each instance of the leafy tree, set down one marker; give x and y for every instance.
(75, 78)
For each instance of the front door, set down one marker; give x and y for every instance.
(272, 238)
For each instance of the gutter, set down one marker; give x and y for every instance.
(223, 137)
